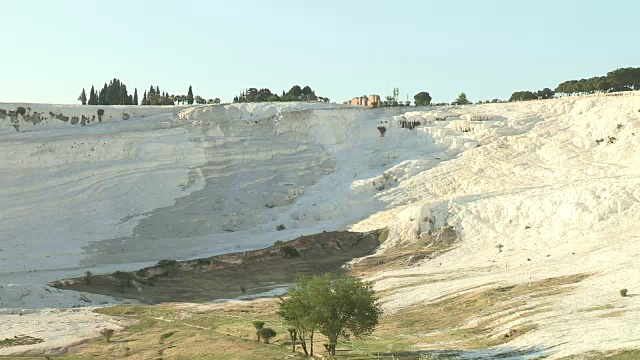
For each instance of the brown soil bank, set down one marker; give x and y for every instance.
(229, 276)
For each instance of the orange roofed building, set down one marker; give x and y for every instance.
(369, 101)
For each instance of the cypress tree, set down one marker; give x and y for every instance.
(144, 98)
(102, 98)
(123, 97)
(83, 97)
(93, 99)
(135, 96)
(190, 96)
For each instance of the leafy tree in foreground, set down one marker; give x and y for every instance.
(422, 98)
(335, 305)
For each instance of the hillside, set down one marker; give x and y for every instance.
(532, 191)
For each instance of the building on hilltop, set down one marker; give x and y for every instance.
(369, 101)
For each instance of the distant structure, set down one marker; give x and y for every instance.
(369, 101)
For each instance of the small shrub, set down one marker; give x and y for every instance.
(88, 277)
(499, 247)
(258, 325)
(278, 243)
(167, 263)
(107, 334)
(203, 262)
(100, 112)
(280, 227)
(142, 272)
(290, 252)
(243, 289)
(165, 336)
(623, 292)
(21, 111)
(126, 279)
(267, 334)
(382, 130)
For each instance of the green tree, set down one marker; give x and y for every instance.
(422, 98)
(135, 96)
(190, 96)
(83, 97)
(335, 305)
(546, 93)
(102, 98)
(523, 96)
(199, 100)
(93, 97)
(267, 334)
(462, 100)
(307, 90)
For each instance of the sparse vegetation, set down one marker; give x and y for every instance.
(461, 100)
(259, 325)
(296, 93)
(88, 277)
(165, 263)
(107, 334)
(165, 336)
(623, 292)
(290, 252)
(267, 334)
(280, 227)
(19, 340)
(125, 279)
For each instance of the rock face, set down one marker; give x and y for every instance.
(446, 236)
(369, 101)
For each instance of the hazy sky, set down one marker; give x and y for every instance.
(51, 49)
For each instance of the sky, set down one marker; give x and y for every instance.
(51, 49)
